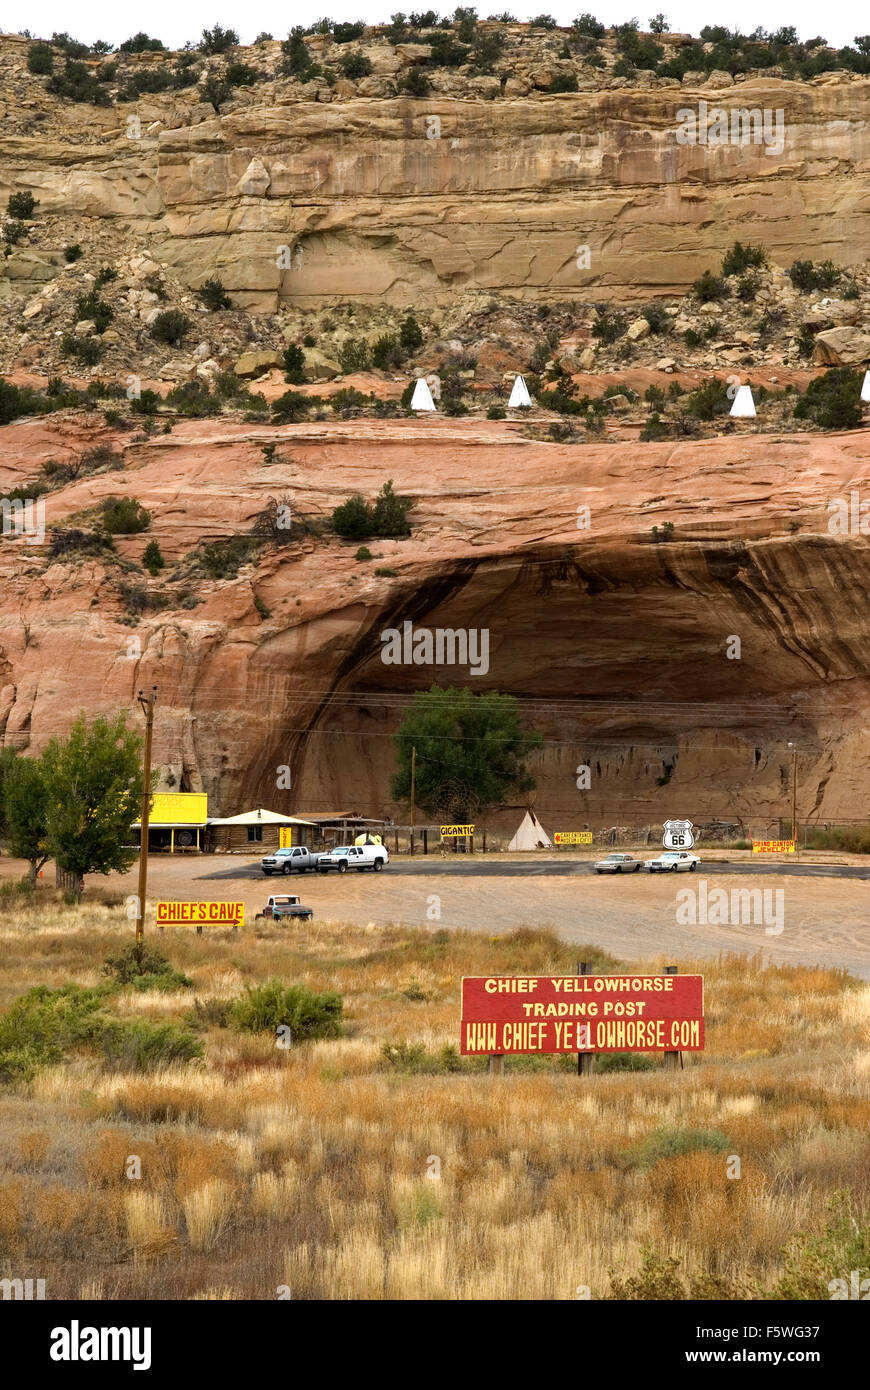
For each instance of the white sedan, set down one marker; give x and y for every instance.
(673, 861)
(617, 864)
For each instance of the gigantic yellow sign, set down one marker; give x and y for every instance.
(179, 808)
(285, 836)
(773, 846)
(454, 832)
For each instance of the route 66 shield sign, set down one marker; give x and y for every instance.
(678, 834)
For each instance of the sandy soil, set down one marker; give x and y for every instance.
(825, 921)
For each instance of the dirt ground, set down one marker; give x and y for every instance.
(825, 921)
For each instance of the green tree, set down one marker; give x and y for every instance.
(94, 784)
(152, 558)
(471, 753)
(352, 519)
(390, 512)
(24, 802)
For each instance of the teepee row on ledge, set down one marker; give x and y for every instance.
(742, 409)
(422, 397)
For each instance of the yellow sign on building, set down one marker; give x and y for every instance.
(455, 832)
(285, 836)
(179, 808)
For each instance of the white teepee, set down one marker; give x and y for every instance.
(530, 834)
(744, 406)
(865, 387)
(519, 394)
(422, 397)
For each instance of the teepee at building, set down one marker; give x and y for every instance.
(865, 387)
(530, 834)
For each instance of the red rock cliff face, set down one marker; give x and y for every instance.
(616, 645)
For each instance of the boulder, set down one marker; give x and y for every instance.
(85, 328)
(319, 367)
(637, 330)
(252, 364)
(841, 347)
(587, 359)
(665, 364)
(255, 181)
(176, 370)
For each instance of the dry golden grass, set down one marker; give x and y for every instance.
(311, 1168)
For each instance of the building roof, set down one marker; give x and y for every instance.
(259, 816)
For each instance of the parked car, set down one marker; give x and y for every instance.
(673, 861)
(285, 905)
(357, 857)
(284, 861)
(617, 864)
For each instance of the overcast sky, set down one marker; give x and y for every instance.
(838, 21)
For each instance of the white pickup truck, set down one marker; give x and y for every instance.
(357, 857)
(285, 861)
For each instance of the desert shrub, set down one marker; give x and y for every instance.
(146, 402)
(588, 25)
(86, 351)
(390, 512)
(140, 43)
(41, 1026)
(832, 400)
(137, 599)
(363, 553)
(563, 82)
(124, 516)
(90, 306)
(40, 59)
(747, 288)
(355, 65)
(21, 205)
(152, 559)
(654, 397)
(663, 533)
(710, 287)
(658, 320)
(294, 362)
(740, 258)
(240, 75)
(213, 295)
(708, 401)
(13, 233)
(291, 406)
(218, 40)
(347, 32)
(624, 1061)
(814, 1262)
(307, 1013)
(72, 253)
(414, 83)
(73, 541)
(170, 326)
(351, 519)
(654, 429)
(144, 967)
(806, 276)
(223, 559)
(496, 412)
(215, 90)
(387, 352)
(453, 405)
(193, 399)
(414, 1059)
(141, 1046)
(668, 1142)
(77, 83)
(609, 326)
(353, 355)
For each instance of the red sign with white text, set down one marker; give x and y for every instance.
(504, 1014)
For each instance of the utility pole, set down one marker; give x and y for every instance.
(793, 747)
(413, 792)
(147, 702)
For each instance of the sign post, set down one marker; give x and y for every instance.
(584, 1059)
(673, 1060)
